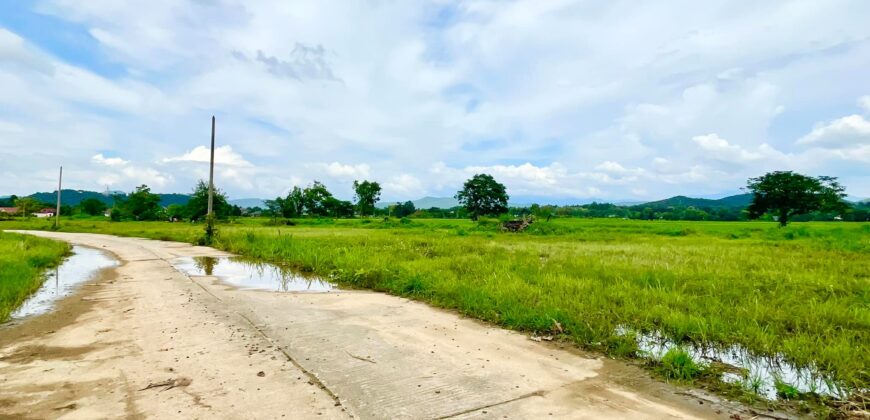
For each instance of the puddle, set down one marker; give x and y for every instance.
(755, 373)
(82, 266)
(246, 274)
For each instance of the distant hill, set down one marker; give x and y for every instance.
(74, 197)
(247, 203)
(173, 198)
(740, 200)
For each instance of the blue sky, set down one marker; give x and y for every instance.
(560, 100)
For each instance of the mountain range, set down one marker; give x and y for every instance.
(74, 197)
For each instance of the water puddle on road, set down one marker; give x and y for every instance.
(82, 266)
(246, 274)
(758, 374)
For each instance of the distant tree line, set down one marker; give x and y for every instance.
(779, 196)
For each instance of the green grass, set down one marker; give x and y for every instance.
(23, 259)
(677, 364)
(801, 291)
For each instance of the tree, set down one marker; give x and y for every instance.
(404, 209)
(176, 211)
(784, 194)
(197, 207)
(27, 205)
(273, 207)
(482, 195)
(294, 204)
(314, 199)
(366, 194)
(338, 208)
(141, 204)
(93, 206)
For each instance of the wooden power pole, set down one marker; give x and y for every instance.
(211, 173)
(57, 211)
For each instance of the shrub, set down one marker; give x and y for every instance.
(678, 364)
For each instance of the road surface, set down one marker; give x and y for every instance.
(145, 340)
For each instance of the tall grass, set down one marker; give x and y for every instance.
(23, 259)
(802, 291)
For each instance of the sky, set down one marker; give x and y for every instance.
(559, 100)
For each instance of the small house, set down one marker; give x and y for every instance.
(45, 213)
(9, 210)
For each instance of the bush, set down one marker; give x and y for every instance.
(677, 364)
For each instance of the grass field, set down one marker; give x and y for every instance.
(23, 259)
(802, 292)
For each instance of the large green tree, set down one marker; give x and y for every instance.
(404, 209)
(366, 194)
(482, 195)
(197, 207)
(28, 205)
(141, 204)
(93, 206)
(315, 199)
(785, 194)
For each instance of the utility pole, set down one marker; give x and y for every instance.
(211, 173)
(209, 217)
(57, 211)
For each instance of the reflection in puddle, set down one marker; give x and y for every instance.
(82, 266)
(248, 274)
(758, 374)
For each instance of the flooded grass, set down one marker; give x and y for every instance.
(80, 267)
(797, 296)
(247, 274)
(23, 260)
(768, 376)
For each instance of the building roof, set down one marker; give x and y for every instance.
(8, 209)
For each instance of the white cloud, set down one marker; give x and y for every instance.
(397, 90)
(720, 149)
(339, 170)
(102, 160)
(115, 171)
(403, 185)
(846, 131)
(223, 155)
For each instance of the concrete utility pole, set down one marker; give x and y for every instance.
(211, 173)
(57, 211)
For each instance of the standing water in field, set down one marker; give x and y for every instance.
(79, 268)
(759, 374)
(248, 274)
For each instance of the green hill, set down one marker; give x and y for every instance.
(74, 197)
(734, 201)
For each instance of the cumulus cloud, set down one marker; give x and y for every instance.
(720, 149)
(498, 87)
(403, 185)
(115, 171)
(102, 160)
(223, 155)
(339, 170)
(847, 131)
